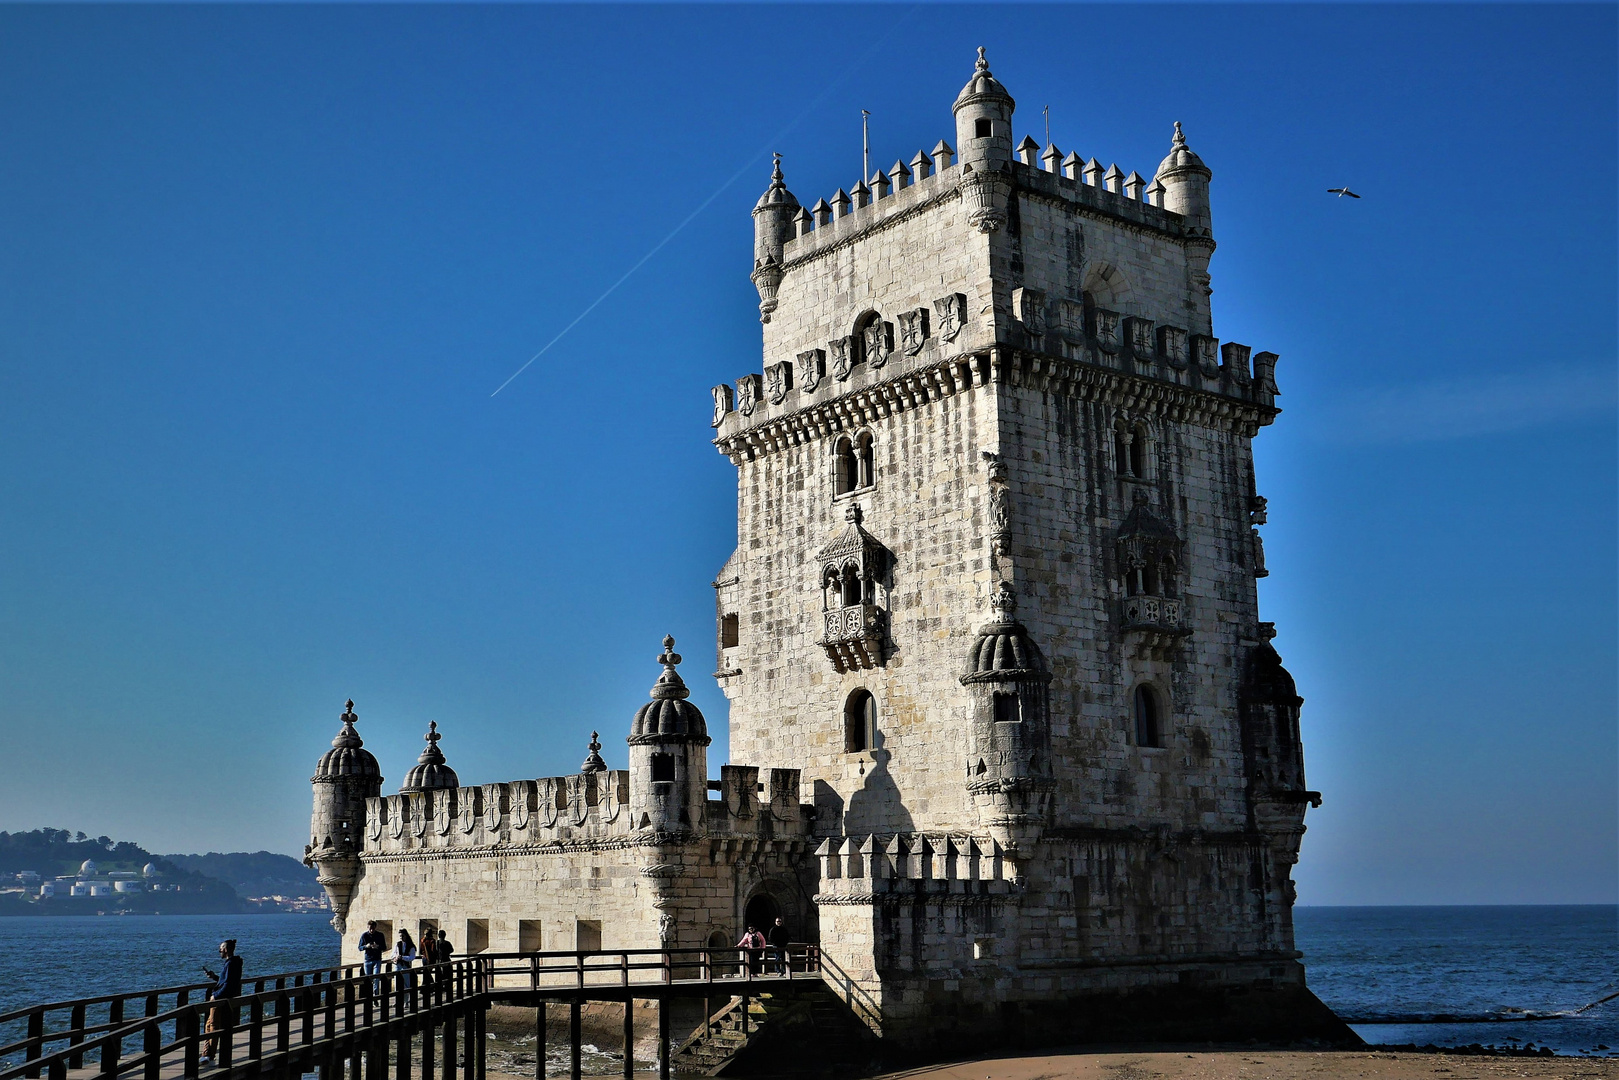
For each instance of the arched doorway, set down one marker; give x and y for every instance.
(761, 912)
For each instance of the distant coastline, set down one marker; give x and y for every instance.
(50, 872)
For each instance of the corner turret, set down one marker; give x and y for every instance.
(1009, 742)
(984, 119)
(1185, 183)
(773, 217)
(668, 756)
(346, 776)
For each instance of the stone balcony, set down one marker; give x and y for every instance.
(1154, 622)
(853, 636)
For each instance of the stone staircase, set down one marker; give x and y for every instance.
(810, 1032)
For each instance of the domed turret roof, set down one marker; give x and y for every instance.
(1181, 159)
(1003, 650)
(348, 758)
(430, 772)
(982, 86)
(777, 194)
(669, 716)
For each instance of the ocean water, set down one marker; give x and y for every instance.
(1502, 976)
(1454, 976)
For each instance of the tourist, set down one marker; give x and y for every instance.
(778, 946)
(227, 984)
(444, 952)
(753, 943)
(371, 945)
(403, 955)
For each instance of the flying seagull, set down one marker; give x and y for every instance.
(1341, 192)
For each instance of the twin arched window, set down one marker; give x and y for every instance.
(854, 463)
(859, 722)
(1149, 731)
(844, 587)
(1153, 577)
(1130, 451)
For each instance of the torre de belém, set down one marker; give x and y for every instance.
(1020, 756)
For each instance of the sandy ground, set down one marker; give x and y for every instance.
(1244, 1065)
(1263, 1065)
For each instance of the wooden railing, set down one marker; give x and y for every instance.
(287, 1024)
(646, 968)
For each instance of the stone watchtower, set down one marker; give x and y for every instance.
(346, 776)
(994, 594)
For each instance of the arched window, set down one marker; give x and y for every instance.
(851, 585)
(866, 463)
(1121, 452)
(832, 590)
(1138, 451)
(1148, 732)
(845, 467)
(859, 722)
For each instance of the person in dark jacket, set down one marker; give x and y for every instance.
(227, 984)
(372, 945)
(779, 938)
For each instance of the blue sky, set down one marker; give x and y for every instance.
(261, 269)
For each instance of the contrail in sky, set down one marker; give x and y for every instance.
(775, 140)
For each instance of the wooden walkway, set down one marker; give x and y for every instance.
(343, 1024)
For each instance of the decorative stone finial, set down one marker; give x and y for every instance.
(775, 173)
(348, 736)
(983, 63)
(669, 684)
(854, 515)
(1004, 601)
(432, 755)
(1180, 136)
(593, 761)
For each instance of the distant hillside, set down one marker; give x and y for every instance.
(255, 874)
(53, 853)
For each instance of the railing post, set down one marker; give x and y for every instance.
(308, 999)
(402, 1054)
(36, 1040)
(76, 1023)
(255, 1029)
(629, 1037)
(186, 1028)
(534, 973)
(113, 1048)
(539, 1037)
(153, 1048)
(579, 961)
(624, 967)
(575, 1038)
(663, 1039)
(427, 1048)
(449, 1044)
(227, 1032)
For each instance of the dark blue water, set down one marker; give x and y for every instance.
(1447, 976)
(1453, 976)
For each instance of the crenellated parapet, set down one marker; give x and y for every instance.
(864, 869)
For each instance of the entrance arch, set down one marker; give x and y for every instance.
(761, 912)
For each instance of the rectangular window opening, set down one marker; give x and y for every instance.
(477, 936)
(529, 938)
(587, 935)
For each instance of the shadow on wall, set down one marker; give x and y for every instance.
(877, 806)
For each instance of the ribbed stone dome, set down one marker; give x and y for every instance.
(982, 86)
(777, 194)
(669, 715)
(348, 759)
(430, 772)
(1181, 159)
(1003, 650)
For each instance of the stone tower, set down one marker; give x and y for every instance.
(994, 592)
(346, 776)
